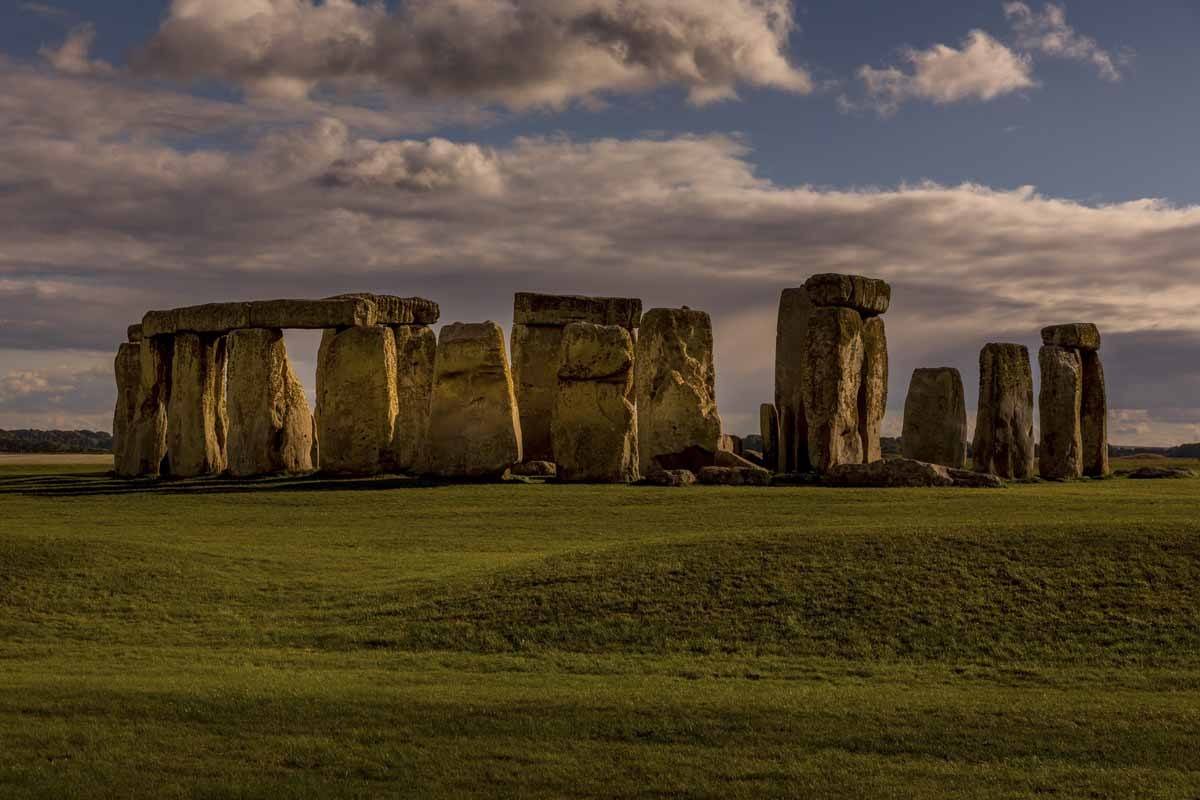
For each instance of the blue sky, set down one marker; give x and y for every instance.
(155, 164)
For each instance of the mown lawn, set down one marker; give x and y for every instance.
(297, 638)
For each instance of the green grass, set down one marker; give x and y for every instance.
(376, 638)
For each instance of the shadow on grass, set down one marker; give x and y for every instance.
(104, 484)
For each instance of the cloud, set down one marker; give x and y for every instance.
(982, 69)
(1047, 33)
(518, 54)
(60, 396)
(73, 55)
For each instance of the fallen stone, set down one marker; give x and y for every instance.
(474, 431)
(594, 422)
(134, 333)
(1094, 417)
(791, 366)
(796, 479)
(196, 412)
(907, 473)
(868, 296)
(270, 425)
(734, 476)
(1060, 456)
(416, 357)
(768, 423)
(1075, 335)
(831, 389)
(724, 458)
(670, 477)
(357, 401)
(1004, 442)
(969, 479)
(555, 310)
(269, 314)
(1160, 473)
(872, 394)
(534, 469)
(392, 310)
(128, 370)
(676, 385)
(692, 459)
(935, 418)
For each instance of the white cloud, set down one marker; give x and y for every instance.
(519, 53)
(73, 56)
(982, 69)
(1047, 33)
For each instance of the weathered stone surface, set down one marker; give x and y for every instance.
(676, 385)
(196, 413)
(134, 333)
(1160, 473)
(831, 387)
(416, 358)
(907, 473)
(768, 423)
(270, 425)
(555, 310)
(873, 393)
(791, 365)
(1094, 417)
(727, 458)
(730, 443)
(357, 400)
(868, 296)
(671, 477)
(935, 418)
(795, 479)
(1076, 335)
(128, 370)
(1061, 455)
(594, 422)
(1004, 443)
(268, 314)
(535, 469)
(734, 476)
(392, 310)
(474, 431)
(535, 351)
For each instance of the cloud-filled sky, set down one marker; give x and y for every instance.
(1005, 165)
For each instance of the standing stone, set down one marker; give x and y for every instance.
(196, 413)
(1094, 417)
(872, 394)
(1004, 425)
(128, 369)
(1061, 454)
(270, 425)
(594, 424)
(935, 418)
(791, 360)
(537, 335)
(676, 388)
(474, 430)
(831, 387)
(357, 400)
(143, 445)
(416, 355)
(768, 424)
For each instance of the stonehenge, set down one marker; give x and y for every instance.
(594, 421)
(1073, 404)
(539, 321)
(1003, 443)
(595, 391)
(935, 418)
(678, 424)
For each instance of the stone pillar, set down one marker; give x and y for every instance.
(678, 423)
(474, 430)
(416, 356)
(768, 424)
(357, 404)
(831, 388)
(791, 361)
(270, 426)
(1061, 454)
(873, 393)
(128, 369)
(196, 413)
(594, 424)
(537, 334)
(1083, 339)
(1004, 424)
(935, 418)
(140, 422)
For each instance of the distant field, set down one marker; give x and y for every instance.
(297, 638)
(41, 459)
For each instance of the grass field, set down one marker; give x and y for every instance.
(296, 638)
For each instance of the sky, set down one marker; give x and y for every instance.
(1004, 165)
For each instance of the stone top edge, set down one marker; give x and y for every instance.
(1077, 335)
(868, 296)
(556, 310)
(217, 318)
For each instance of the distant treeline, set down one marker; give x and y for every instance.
(28, 441)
